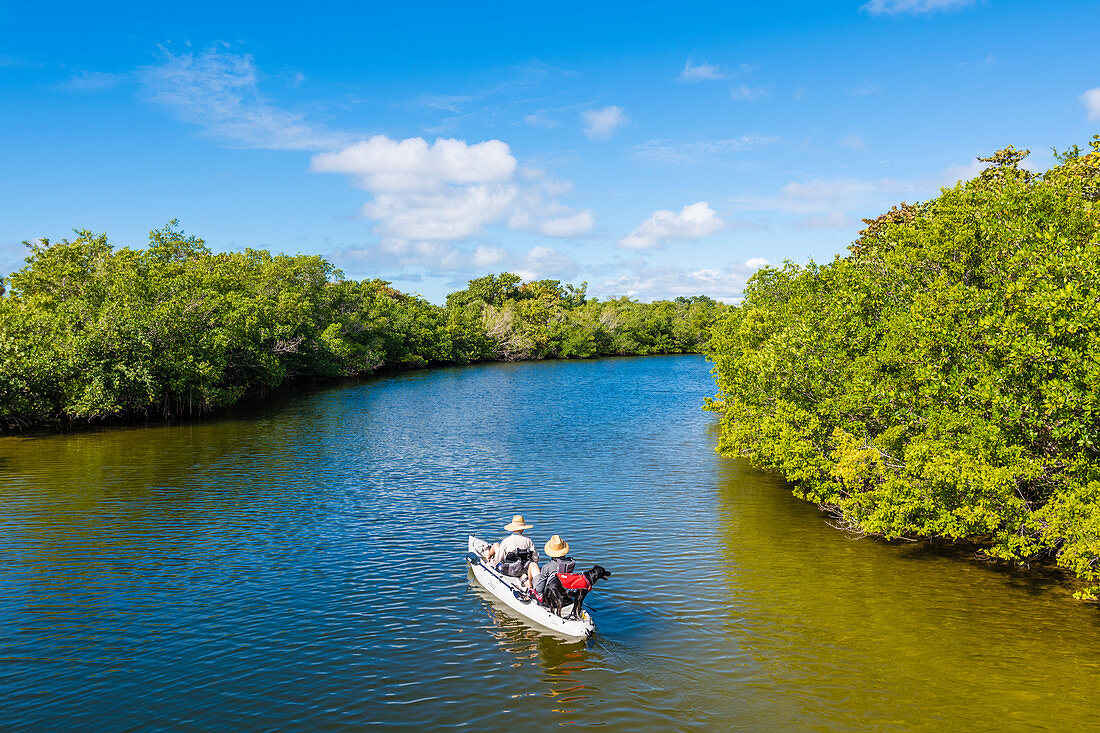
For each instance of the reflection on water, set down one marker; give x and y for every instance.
(906, 633)
(299, 563)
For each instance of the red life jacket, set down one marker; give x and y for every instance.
(573, 581)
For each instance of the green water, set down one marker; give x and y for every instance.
(298, 564)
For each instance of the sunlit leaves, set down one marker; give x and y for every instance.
(944, 378)
(89, 332)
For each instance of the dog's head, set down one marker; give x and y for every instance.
(598, 572)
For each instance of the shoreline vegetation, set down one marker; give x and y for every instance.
(94, 334)
(942, 380)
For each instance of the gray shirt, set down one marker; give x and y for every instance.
(553, 565)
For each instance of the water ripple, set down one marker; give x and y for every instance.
(298, 564)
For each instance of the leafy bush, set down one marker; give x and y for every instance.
(90, 332)
(943, 379)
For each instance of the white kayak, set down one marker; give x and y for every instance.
(507, 590)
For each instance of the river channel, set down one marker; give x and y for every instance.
(297, 564)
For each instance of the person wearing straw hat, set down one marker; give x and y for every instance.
(516, 555)
(559, 562)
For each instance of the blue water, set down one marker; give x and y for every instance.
(298, 564)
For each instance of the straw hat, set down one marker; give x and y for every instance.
(556, 547)
(517, 524)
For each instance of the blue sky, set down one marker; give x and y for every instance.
(650, 149)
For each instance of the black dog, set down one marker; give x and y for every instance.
(557, 595)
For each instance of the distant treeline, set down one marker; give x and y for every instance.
(90, 333)
(943, 379)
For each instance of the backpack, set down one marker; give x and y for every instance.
(563, 564)
(515, 562)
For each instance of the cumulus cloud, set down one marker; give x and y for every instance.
(537, 208)
(679, 153)
(451, 189)
(693, 222)
(485, 256)
(568, 226)
(601, 124)
(913, 7)
(219, 91)
(702, 72)
(423, 194)
(384, 164)
(454, 213)
(653, 282)
(1091, 100)
(544, 262)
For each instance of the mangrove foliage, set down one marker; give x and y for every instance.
(943, 378)
(92, 332)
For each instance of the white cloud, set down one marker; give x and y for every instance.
(544, 262)
(538, 119)
(913, 7)
(219, 92)
(537, 207)
(702, 72)
(438, 256)
(1091, 100)
(674, 152)
(568, 226)
(693, 222)
(601, 124)
(647, 282)
(453, 261)
(747, 93)
(432, 258)
(451, 189)
(834, 203)
(454, 213)
(865, 89)
(822, 195)
(854, 142)
(384, 164)
(487, 256)
(421, 193)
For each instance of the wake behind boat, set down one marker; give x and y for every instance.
(507, 590)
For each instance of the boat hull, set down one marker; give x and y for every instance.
(505, 590)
